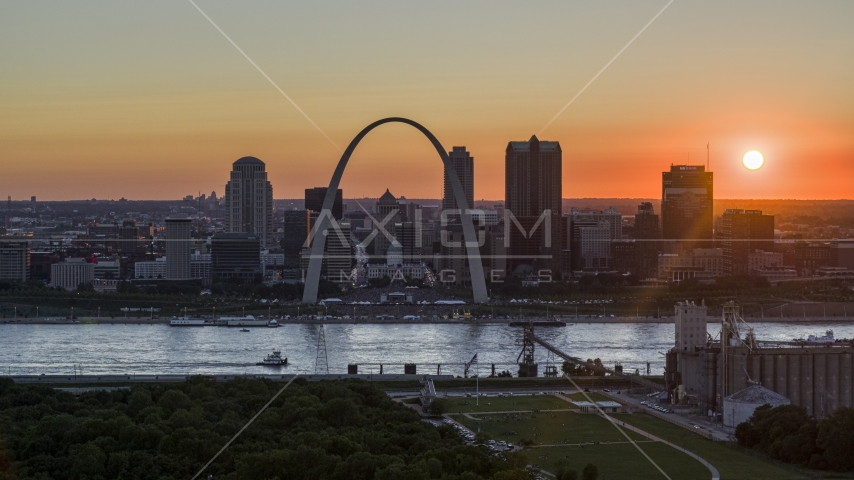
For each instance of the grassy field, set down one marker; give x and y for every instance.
(581, 439)
(546, 428)
(732, 464)
(622, 461)
(506, 404)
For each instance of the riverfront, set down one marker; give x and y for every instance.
(158, 349)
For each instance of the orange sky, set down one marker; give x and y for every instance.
(148, 101)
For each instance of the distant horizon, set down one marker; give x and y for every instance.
(438, 199)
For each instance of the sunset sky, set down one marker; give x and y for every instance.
(147, 100)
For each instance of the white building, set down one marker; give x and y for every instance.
(690, 325)
(761, 260)
(71, 273)
(152, 269)
(378, 270)
(739, 407)
(200, 265)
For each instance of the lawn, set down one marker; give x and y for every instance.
(604, 446)
(505, 404)
(730, 462)
(546, 428)
(622, 461)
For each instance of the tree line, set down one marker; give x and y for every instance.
(334, 430)
(787, 433)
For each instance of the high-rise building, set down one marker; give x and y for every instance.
(297, 225)
(236, 255)
(463, 164)
(249, 201)
(385, 206)
(178, 248)
(687, 197)
(590, 237)
(314, 201)
(647, 230)
(533, 190)
(741, 233)
(338, 255)
(14, 260)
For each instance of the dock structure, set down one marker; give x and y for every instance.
(596, 368)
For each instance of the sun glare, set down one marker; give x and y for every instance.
(753, 160)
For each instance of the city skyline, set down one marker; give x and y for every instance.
(97, 116)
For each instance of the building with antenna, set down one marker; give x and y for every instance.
(687, 198)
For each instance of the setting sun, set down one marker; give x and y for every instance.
(753, 160)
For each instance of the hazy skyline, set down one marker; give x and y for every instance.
(149, 101)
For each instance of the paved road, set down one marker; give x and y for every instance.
(715, 474)
(707, 430)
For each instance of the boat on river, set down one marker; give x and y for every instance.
(274, 360)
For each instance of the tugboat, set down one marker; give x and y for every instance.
(274, 360)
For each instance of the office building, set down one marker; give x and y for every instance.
(741, 233)
(687, 196)
(647, 231)
(463, 164)
(129, 236)
(387, 209)
(297, 225)
(107, 269)
(14, 260)
(71, 273)
(590, 235)
(150, 269)
(532, 195)
(236, 255)
(314, 201)
(249, 201)
(178, 248)
(200, 265)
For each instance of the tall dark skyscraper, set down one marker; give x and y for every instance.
(249, 201)
(533, 186)
(314, 201)
(687, 199)
(464, 166)
(647, 228)
(742, 233)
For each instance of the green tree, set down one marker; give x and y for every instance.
(438, 406)
(835, 436)
(564, 472)
(590, 472)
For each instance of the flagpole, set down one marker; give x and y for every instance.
(477, 385)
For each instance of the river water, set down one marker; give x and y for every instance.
(161, 349)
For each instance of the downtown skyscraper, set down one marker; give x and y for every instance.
(249, 201)
(687, 198)
(533, 205)
(463, 164)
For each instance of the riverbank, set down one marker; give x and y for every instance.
(306, 320)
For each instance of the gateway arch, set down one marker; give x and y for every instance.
(315, 262)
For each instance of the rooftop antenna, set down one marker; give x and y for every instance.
(708, 166)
